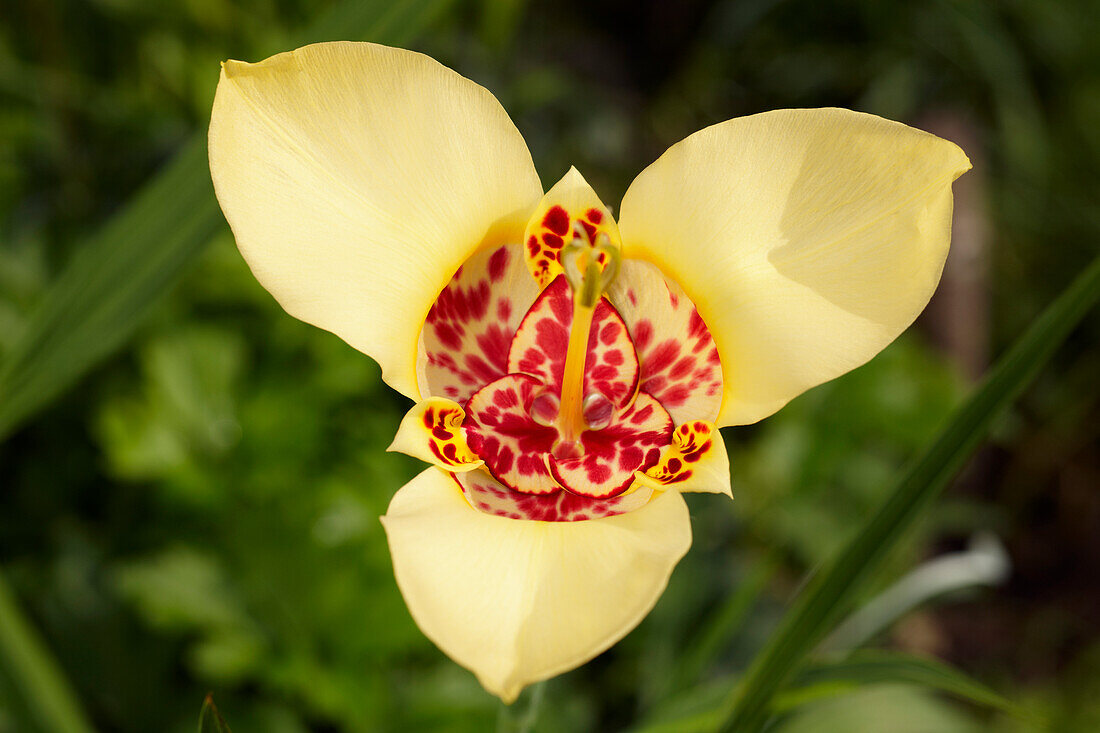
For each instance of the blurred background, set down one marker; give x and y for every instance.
(190, 485)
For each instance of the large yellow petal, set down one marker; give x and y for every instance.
(357, 178)
(808, 240)
(518, 601)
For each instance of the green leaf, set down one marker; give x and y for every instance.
(828, 593)
(985, 562)
(210, 720)
(108, 288)
(896, 707)
(694, 710)
(838, 676)
(33, 671)
(716, 632)
(104, 292)
(103, 295)
(700, 710)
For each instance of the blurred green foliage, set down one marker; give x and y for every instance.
(201, 512)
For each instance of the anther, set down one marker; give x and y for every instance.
(545, 408)
(598, 411)
(581, 260)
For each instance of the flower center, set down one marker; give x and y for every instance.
(589, 269)
(573, 367)
(567, 412)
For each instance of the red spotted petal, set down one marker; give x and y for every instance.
(679, 360)
(488, 495)
(540, 344)
(469, 329)
(632, 442)
(499, 429)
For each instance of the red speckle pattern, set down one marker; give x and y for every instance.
(556, 220)
(500, 430)
(548, 233)
(493, 343)
(539, 346)
(442, 426)
(632, 442)
(488, 495)
(690, 443)
(679, 360)
(469, 329)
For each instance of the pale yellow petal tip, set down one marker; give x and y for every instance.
(956, 159)
(573, 187)
(573, 177)
(232, 67)
(508, 691)
(963, 163)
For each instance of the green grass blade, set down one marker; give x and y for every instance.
(874, 667)
(107, 289)
(984, 563)
(99, 299)
(823, 600)
(838, 676)
(35, 673)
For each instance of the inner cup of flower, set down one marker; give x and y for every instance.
(573, 369)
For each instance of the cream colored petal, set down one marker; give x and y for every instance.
(518, 601)
(808, 240)
(696, 460)
(357, 178)
(432, 432)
